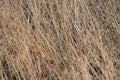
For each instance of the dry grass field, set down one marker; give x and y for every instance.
(59, 39)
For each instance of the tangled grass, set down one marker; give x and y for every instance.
(59, 39)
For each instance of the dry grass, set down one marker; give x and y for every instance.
(59, 39)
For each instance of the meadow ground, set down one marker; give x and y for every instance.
(59, 39)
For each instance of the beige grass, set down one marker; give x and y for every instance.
(59, 39)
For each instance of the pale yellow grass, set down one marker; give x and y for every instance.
(59, 39)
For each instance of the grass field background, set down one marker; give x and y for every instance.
(59, 39)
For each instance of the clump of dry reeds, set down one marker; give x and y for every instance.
(59, 39)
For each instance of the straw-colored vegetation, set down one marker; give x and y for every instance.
(59, 39)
